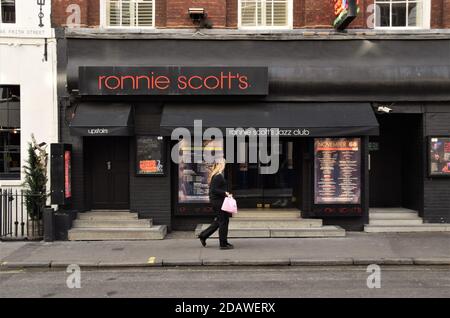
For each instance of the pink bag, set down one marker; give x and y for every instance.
(229, 205)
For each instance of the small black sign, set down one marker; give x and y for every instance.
(374, 146)
(173, 80)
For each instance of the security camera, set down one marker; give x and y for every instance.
(384, 109)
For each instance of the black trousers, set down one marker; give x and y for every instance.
(220, 222)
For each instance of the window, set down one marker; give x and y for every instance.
(271, 14)
(129, 13)
(9, 132)
(401, 13)
(8, 11)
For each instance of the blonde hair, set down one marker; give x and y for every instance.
(217, 168)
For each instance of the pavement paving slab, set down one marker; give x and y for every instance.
(357, 248)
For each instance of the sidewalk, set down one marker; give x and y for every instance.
(355, 249)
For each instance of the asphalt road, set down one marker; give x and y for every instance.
(396, 281)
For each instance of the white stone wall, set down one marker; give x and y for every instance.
(22, 62)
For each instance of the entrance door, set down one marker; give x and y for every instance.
(109, 166)
(253, 189)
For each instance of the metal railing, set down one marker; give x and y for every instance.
(15, 221)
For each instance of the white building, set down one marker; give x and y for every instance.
(28, 103)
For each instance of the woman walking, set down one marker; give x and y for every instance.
(217, 193)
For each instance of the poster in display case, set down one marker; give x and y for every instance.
(337, 171)
(150, 156)
(193, 177)
(439, 156)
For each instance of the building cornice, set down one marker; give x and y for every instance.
(228, 34)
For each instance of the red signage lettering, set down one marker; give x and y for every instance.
(160, 82)
(173, 81)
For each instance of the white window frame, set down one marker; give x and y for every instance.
(426, 17)
(265, 27)
(103, 18)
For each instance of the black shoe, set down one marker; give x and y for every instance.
(230, 245)
(202, 240)
(227, 247)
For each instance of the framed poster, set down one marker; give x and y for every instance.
(337, 171)
(61, 174)
(150, 156)
(67, 174)
(439, 156)
(193, 177)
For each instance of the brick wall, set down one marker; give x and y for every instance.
(160, 14)
(89, 12)
(94, 13)
(60, 14)
(445, 14)
(232, 13)
(223, 13)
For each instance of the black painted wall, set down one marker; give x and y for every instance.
(412, 163)
(150, 196)
(386, 164)
(65, 115)
(436, 190)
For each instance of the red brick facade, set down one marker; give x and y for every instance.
(308, 14)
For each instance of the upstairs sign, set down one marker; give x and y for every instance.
(345, 12)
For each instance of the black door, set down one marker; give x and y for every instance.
(108, 160)
(255, 190)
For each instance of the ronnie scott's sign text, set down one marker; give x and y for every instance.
(173, 80)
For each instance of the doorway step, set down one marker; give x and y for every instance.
(395, 220)
(275, 223)
(107, 225)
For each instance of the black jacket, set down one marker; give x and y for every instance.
(217, 189)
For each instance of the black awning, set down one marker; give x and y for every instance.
(102, 119)
(311, 119)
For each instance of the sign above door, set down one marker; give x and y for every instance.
(173, 80)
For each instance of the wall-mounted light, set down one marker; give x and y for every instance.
(41, 14)
(197, 14)
(199, 17)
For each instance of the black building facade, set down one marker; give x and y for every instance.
(381, 103)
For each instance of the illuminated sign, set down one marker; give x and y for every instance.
(173, 80)
(61, 173)
(345, 12)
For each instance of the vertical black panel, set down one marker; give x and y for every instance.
(436, 190)
(150, 196)
(412, 163)
(65, 114)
